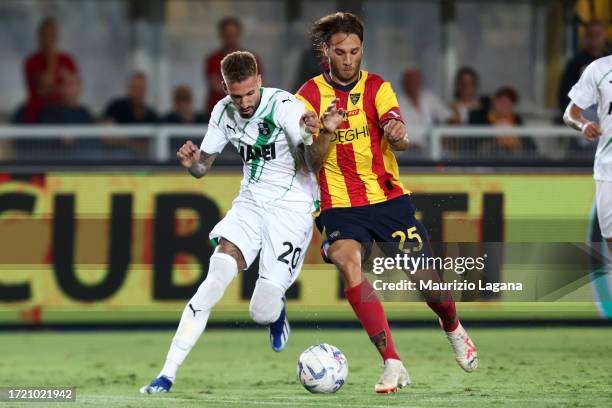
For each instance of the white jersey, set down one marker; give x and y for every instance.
(595, 87)
(267, 143)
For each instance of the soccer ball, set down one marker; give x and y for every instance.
(322, 368)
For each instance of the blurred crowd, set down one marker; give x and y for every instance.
(54, 90)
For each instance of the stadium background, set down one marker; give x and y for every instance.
(51, 276)
(161, 218)
(103, 236)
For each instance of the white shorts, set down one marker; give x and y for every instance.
(603, 194)
(281, 235)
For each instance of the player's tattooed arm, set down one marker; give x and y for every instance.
(316, 150)
(194, 160)
(315, 153)
(204, 163)
(396, 135)
(574, 118)
(299, 156)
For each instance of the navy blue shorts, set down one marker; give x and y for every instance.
(391, 224)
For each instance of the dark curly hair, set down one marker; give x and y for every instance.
(340, 22)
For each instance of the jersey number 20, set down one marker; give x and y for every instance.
(294, 253)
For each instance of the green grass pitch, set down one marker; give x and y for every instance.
(548, 367)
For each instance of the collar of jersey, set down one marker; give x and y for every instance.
(338, 86)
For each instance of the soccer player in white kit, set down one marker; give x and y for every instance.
(595, 87)
(272, 214)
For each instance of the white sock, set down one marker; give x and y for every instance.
(221, 271)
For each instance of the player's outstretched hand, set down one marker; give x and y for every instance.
(591, 130)
(332, 117)
(395, 131)
(188, 154)
(309, 125)
(310, 121)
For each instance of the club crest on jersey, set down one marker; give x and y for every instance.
(264, 129)
(354, 98)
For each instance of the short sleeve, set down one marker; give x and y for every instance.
(215, 139)
(290, 112)
(584, 92)
(386, 103)
(310, 95)
(306, 103)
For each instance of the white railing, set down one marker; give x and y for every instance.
(436, 134)
(160, 135)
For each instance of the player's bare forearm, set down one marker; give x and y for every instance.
(315, 153)
(573, 117)
(329, 122)
(200, 167)
(196, 161)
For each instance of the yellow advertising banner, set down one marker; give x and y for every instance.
(133, 245)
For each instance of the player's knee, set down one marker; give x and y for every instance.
(350, 271)
(265, 314)
(229, 248)
(222, 267)
(266, 304)
(346, 255)
(221, 272)
(265, 311)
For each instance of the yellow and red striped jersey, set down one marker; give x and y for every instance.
(360, 167)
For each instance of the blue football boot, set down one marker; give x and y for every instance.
(160, 384)
(279, 330)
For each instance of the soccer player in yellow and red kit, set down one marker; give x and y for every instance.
(362, 197)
